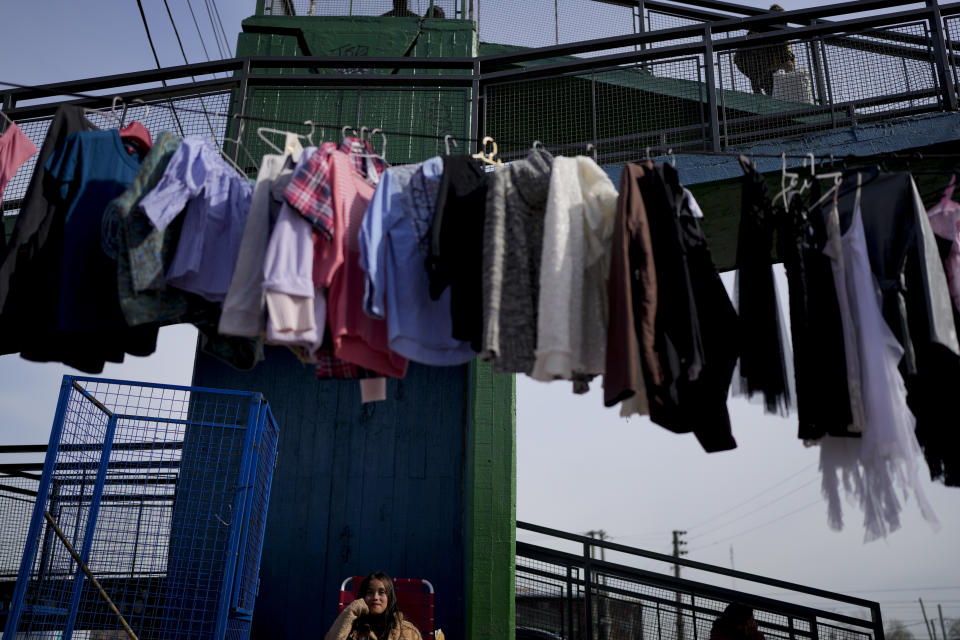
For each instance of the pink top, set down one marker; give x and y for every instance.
(15, 148)
(945, 221)
(357, 338)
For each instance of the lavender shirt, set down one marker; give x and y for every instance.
(216, 200)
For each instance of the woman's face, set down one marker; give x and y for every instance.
(376, 597)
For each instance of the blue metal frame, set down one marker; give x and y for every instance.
(240, 516)
(80, 577)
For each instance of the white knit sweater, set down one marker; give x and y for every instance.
(574, 268)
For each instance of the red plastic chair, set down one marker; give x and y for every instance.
(414, 598)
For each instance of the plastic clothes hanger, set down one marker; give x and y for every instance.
(785, 188)
(227, 157)
(488, 158)
(279, 132)
(592, 151)
(240, 145)
(111, 114)
(135, 131)
(374, 154)
(672, 158)
(447, 139)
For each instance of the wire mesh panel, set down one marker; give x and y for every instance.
(620, 110)
(414, 120)
(17, 496)
(162, 493)
(197, 114)
(797, 86)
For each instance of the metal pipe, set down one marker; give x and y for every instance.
(711, 88)
(941, 57)
(93, 580)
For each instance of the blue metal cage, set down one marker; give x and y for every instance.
(163, 492)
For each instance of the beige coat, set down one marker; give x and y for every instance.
(342, 628)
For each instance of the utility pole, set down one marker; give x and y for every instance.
(604, 631)
(677, 552)
(943, 627)
(926, 621)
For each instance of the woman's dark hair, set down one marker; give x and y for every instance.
(382, 624)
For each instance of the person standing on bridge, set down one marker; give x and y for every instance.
(760, 64)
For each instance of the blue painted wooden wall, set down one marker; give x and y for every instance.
(357, 488)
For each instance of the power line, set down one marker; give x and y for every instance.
(759, 526)
(760, 508)
(216, 11)
(146, 27)
(203, 43)
(740, 504)
(216, 36)
(176, 32)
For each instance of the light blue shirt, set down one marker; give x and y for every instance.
(394, 244)
(215, 200)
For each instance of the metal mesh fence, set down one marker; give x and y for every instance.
(156, 488)
(620, 110)
(16, 506)
(185, 115)
(805, 85)
(951, 33)
(403, 8)
(551, 597)
(414, 121)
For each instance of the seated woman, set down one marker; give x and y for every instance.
(373, 616)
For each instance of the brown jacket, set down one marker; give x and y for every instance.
(631, 354)
(342, 628)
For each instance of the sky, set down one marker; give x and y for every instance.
(579, 466)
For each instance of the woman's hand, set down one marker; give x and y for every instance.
(358, 607)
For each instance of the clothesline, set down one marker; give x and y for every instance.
(662, 149)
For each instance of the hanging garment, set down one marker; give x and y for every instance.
(888, 452)
(143, 251)
(456, 246)
(574, 268)
(357, 338)
(941, 442)
(819, 361)
(85, 174)
(30, 273)
(512, 246)
(15, 149)
(214, 200)
(309, 191)
(245, 303)
(144, 254)
(631, 353)
(394, 246)
(916, 304)
(945, 222)
(762, 368)
(696, 326)
(296, 308)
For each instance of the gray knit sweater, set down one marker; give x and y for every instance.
(512, 244)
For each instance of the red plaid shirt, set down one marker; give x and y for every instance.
(310, 192)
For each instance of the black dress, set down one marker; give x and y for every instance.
(819, 361)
